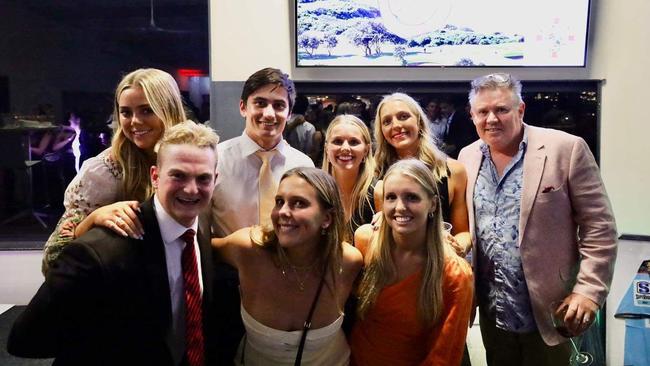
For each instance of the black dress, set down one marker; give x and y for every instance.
(367, 210)
(443, 193)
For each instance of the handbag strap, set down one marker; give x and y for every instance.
(307, 324)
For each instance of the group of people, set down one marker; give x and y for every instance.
(139, 269)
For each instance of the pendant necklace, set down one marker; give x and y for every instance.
(300, 279)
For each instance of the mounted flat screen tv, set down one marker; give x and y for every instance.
(450, 33)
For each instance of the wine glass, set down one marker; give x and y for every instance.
(557, 311)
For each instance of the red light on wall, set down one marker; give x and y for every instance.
(190, 72)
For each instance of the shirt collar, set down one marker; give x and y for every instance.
(170, 229)
(250, 147)
(485, 149)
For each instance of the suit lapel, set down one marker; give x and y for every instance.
(207, 261)
(156, 271)
(534, 162)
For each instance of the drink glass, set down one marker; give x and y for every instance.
(557, 312)
(446, 227)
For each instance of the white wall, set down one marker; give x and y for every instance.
(620, 56)
(246, 36)
(20, 275)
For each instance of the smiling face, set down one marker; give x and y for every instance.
(406, 205)
(297, 216)
(138, 121)
(184, 181)
(498, 119)
(346, 147)
(266, 111)
(400, 127)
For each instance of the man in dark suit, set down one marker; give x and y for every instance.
(113, 300)
(460, 130)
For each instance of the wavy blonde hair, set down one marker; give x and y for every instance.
(366, 168)
(330, 254)
(386, 155)
(382, 270)
(165, 100)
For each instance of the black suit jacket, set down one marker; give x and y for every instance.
(462, 132)
(106, 301)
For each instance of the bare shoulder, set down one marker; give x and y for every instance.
(457, 169)
(352, 256)
(362, 238)
(352, 262)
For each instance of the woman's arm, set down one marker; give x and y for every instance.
(232, 247)
(63, 138)
(42, 144)
(378, 195)
(94, 186)
(462, 240)
(448, 336)
(362, 237)
(121, 217)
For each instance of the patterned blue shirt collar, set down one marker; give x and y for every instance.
(485, 149)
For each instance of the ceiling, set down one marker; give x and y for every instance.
(178, 35)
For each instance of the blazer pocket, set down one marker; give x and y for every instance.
(548, 193)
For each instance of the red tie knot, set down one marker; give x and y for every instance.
(188, 236)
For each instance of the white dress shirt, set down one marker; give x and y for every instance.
(171, 232)
(235, 202)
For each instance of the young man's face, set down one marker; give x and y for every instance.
(184, 181)
(266, 111)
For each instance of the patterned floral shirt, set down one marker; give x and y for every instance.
(97, 184)
(502, 290)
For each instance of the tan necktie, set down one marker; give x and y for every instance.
(267, 187)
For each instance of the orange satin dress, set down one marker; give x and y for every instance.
(392, 334)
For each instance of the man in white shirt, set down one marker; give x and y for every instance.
(266, 101)
(115, 300)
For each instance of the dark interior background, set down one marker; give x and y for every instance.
(62, 56)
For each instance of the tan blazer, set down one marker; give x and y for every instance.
(565, 215)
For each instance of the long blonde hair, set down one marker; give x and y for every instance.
(386, 155)
(382, 270)
(163, 96)
(365, 176)
(330, 254)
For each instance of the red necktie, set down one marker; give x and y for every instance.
(193, 303)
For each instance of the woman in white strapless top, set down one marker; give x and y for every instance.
(267, 346)
(280, 269)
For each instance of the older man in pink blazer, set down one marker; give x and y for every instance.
(544, 233)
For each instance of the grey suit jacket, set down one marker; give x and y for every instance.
(567, 233)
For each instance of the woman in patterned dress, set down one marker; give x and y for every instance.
(107, 189)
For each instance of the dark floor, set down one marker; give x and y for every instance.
(6, 320)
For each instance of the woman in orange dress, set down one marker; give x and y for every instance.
(415, 296)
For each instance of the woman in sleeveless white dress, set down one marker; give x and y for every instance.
(299, 264)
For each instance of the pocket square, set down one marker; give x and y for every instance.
(548, 189)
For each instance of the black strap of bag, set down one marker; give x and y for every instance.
(307, 324)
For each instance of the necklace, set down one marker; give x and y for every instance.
(300, 272)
